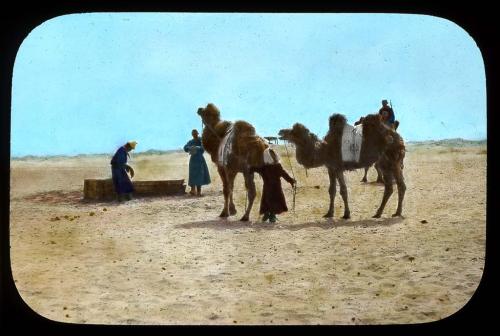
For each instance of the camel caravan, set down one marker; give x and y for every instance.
(236, 148)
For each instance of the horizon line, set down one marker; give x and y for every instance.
(164, 151)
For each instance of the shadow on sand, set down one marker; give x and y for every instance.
(226, 224)
(374, 183)
(55, 197)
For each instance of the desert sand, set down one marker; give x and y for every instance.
(171, 259)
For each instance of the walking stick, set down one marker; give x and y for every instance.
(295, 185)
(392, 108)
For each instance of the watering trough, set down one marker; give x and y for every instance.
(103, 189)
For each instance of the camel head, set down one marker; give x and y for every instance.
(298, 134)
(210, 115)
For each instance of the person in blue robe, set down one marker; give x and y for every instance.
(119, 169)
(198, 170)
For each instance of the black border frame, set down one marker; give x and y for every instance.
(16, 23)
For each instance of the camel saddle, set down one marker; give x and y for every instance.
(352, 137)
(226, 147)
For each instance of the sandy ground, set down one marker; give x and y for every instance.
(171, 260)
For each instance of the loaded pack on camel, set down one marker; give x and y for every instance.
(346, 148)
(235, 148)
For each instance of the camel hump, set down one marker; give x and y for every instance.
(243, 127)
(337, 122)
(255, 151)
(212, 109)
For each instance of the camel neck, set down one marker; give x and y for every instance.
(310, 154)
(212, 136)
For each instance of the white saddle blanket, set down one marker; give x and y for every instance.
(226, 147)
(352, 137)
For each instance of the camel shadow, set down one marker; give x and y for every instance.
(327, 224)
(218, 224)
(373, 183)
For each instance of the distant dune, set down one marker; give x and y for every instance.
(45, 157)
(455, 142)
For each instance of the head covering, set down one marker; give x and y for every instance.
(270, 156)
(384, 101)
(132, 144)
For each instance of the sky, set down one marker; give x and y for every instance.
(88, 83)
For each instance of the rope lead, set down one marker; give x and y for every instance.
(294, 189)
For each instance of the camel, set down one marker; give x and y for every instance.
(380, 144)
(234, 148)
(379, 173)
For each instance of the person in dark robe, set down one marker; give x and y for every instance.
(387, 114)
(198, 170)
(273, 200)
(119, 169)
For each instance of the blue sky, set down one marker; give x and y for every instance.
(87, 83)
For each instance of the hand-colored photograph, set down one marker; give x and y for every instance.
(248, 168)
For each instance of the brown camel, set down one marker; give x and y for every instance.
(379, 173)
(379, 144)
(234, 148)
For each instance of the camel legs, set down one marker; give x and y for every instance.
(379, 173)
(343, 193)
(389, 173)
(388, 189)
(331, 191)
(398, 174)
(227, 178)
(231, 176)
(364, 179)
(225, 189)
(250, 187)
